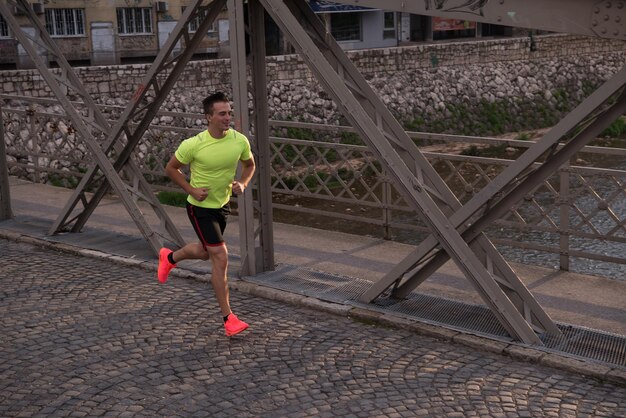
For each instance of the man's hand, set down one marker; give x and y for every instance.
(238, 187)
(199, 193)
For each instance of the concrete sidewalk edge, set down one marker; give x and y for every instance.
(518, 351)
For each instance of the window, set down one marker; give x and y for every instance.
(195, 22)
(4, 28)
(134, 20)
(389, 25)
(65, 22)
(346, 26)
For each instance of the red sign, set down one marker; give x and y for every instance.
(441, 24)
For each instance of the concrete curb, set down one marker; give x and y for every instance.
(518, 351)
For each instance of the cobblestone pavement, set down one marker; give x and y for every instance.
(88, 337)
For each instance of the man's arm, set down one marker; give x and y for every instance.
(247, 172)
(172, 169)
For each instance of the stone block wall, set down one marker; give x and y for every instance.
(481, 87)
(122, 81)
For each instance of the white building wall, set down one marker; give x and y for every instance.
(371, 33)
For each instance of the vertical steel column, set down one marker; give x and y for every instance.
(5, 191)
(238, 66)
(265, 251)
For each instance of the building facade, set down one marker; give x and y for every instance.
(110, 32)
(105, 32)
(357, 27)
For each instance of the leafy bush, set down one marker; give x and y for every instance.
(616, 129)
(172, 198)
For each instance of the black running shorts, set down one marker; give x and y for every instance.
(208, 223)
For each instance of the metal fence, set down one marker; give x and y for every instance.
(322, 176)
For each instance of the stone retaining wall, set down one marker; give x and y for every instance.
(210, 74)
(423, 84)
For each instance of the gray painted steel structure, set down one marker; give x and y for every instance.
(91, 126)
(257, 255)
(456, 230)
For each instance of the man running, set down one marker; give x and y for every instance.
(212, 156)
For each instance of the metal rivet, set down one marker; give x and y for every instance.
(606, 18)
(617, 19)
(608, 5)
(596, 10)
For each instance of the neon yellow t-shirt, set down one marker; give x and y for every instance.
(213, 164)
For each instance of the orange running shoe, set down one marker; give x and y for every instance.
(234, 325)
(164, 264)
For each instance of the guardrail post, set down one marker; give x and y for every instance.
(564, 225)
(386, 208)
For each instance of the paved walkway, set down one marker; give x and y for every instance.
(571, 298)
(87, 337)
(95, 333)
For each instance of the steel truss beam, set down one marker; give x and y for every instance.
(456, 230)
(86, 122)
(137, 116)
(604, 19)
(587, 121)
(416, 180)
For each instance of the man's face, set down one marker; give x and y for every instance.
(221, 116)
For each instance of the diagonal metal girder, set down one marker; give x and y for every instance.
(86, 122)
(140, 111)
(590, 118)
(416, 179)
(486, 252)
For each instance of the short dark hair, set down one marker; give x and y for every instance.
(209, 101)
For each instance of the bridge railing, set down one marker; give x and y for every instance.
(323, 176)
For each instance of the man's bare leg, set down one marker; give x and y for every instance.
(192, 251)
(219, 279)
(219, 265)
